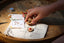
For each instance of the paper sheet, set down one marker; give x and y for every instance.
(39, 29)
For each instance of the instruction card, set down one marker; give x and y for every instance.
(18, 28)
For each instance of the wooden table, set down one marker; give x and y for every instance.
(53, 30)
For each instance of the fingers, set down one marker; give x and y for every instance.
(34, 21)
(31, 13)
(27, 14)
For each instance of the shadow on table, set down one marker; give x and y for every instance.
(52, 21)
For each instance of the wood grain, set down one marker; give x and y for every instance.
(53, 30)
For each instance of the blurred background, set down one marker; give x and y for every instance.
(56, 18)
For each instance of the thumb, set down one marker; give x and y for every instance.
(30, 14)
(34, 21)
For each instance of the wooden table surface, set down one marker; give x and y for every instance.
(53, 30)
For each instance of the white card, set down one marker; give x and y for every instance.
(18, 24)
(17, 16)
(39, 32)
(17, 28)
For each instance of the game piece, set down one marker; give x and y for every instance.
(29, 21)
(12, 9)
(30, 29)
(25, 13)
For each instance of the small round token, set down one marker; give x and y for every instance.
(29, 21)
(12, 9)
(25, 13)
(30, 29)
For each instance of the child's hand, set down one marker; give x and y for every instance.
(40, 13)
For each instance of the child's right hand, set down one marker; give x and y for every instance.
(41, 12)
